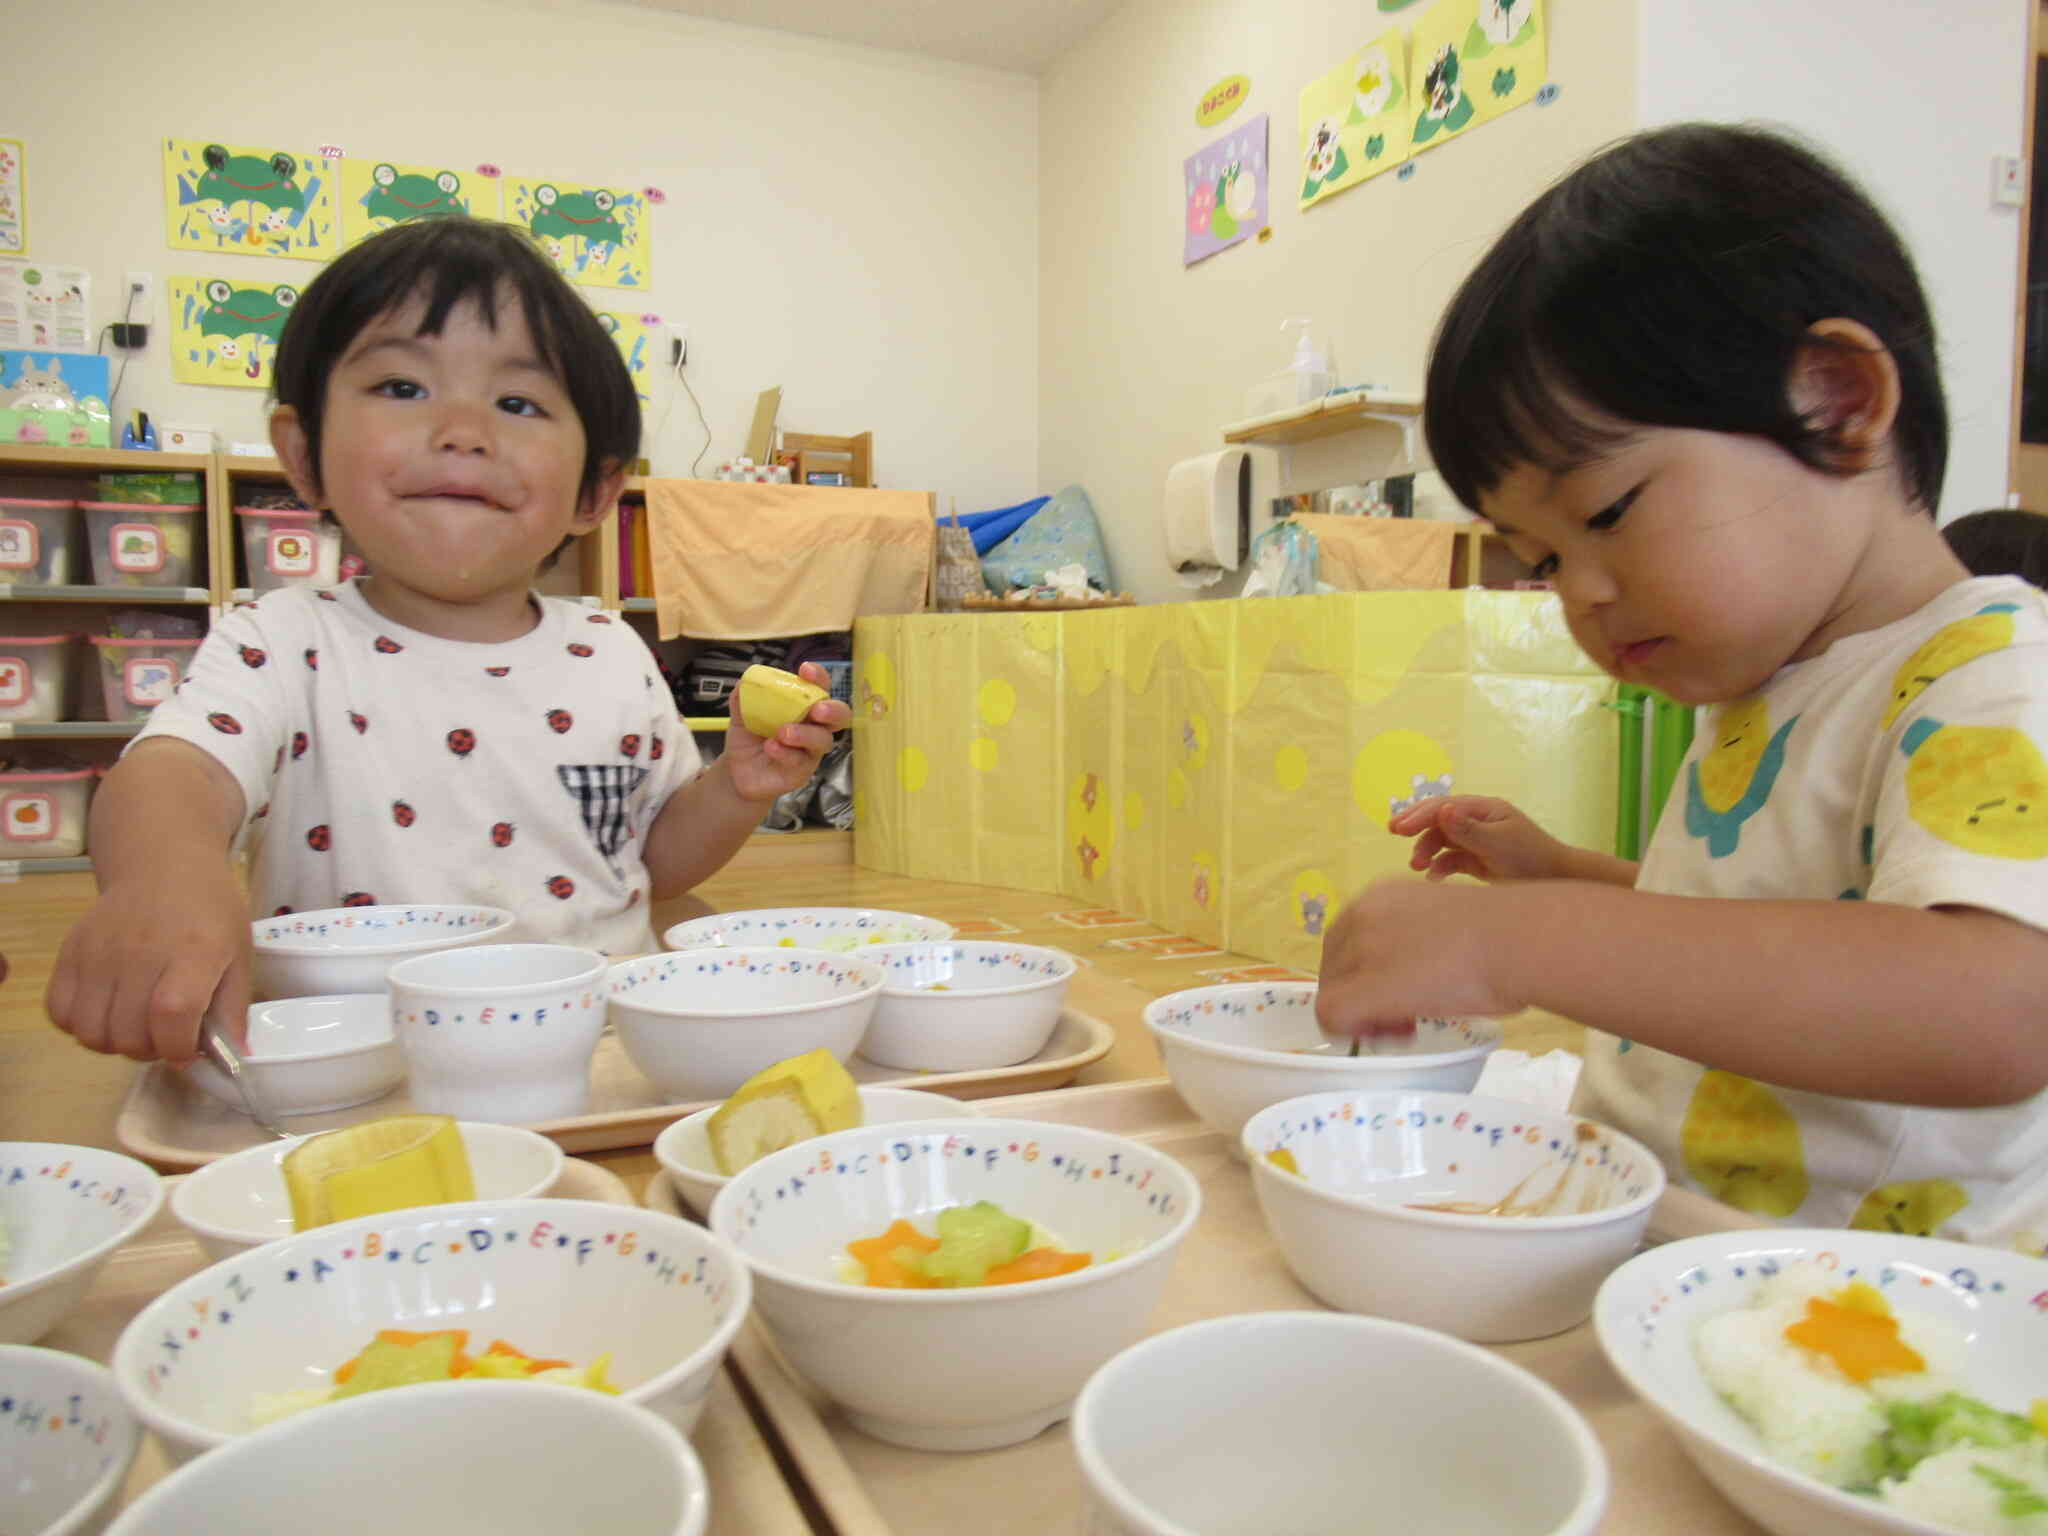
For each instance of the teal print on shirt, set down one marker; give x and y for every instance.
(1729, 782)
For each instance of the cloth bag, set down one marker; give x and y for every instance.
(959, 568)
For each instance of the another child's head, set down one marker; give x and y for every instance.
(1673, 281)
(2007, 541)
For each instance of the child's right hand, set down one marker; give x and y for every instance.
(1479, 836)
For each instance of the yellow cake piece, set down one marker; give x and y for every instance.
(380, 1165)
(771, 698)
(792, 1101)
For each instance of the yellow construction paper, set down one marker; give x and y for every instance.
(380, 194)
(1354, 120)
(1506, 55)
(225, 330)
(639, 338)
(250, 200)
(1443, 103)
(597, 236)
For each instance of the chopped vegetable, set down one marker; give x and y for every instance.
(979, 1244)
(1862, 1343)
(1916, 1430)
(400, 1357)
(973, 1239)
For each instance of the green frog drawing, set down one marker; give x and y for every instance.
(234, 315)
(405, 196)
(586, 216)
(250, 182)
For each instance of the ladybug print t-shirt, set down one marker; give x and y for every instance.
(397, 766)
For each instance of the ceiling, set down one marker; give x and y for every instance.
(1024, 38)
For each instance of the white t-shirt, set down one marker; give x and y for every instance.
(1905, 765)
(382, 765)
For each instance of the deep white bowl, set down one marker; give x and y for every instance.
(701, 1022)
(832, 929)
(684, 1149)
(1310, 1421)
(309, 1055)
(568, 1279)
(1544, 1206)
(1650, 1308)
(963, 1005)
(237, 1202)
(66, 1442)
(349, 949)
(451, 1456)
(957, 1370)
(66, 1210)
(1233, 1050)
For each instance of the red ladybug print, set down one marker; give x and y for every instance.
(501, 835)
(633, 900)
(657, 749)
(358, 722)
(282, 912)
(327, 597)
(298, 745)
(402, 813)
(312, 659)
(561, 887)
(227, 725)
(559, 720)
(461, 742)
(496, 671)
(359, 899)
(580, 649)
(597, 618)
(262, 811)
(277, 762)
(251, 657)
(319, 839)
(629, 746)
(386, 646)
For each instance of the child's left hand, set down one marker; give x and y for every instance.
(1405, 949)
(765, 767)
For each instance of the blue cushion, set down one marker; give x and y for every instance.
(991, 528)
(1062, 532)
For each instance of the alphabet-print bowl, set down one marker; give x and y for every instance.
(700, 1022)
(970, 1368)
(309, 1055)
(236, 1202)
(684, 1149)
(1650, 1310)
(835, 930)
(351, 949)
(66, 1441)
(64, 1210)
(961, 1005)
(1485, 1218)
(1276, 1420)
(561, 1279)
(499, 1456)
(1233, 1050)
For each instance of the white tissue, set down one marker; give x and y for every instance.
(1543, 1082)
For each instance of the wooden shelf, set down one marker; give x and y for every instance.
(52, 456)
(45, 866)
(24, 594)
(1326, 418)
(68, 730)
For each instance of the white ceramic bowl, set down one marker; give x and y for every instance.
(1233, 1050)
(832, 929)
(1309, 1421)
(684, 1149)
(237, 1202)
(960, 1005)
(309, 1055)
(451, 1456)
(66, 1210)
(1651, 1307)
(701, 1022)
(1542, 1207)
(568, 1279)
(66, 1442)
(349, 949)
(503, 1032)
(970, 1369)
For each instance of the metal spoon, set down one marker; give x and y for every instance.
(216, 1046)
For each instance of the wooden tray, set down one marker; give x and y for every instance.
(749, 1496)
(1229, 1264)
(173, 1123)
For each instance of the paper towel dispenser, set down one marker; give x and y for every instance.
(1215, 505)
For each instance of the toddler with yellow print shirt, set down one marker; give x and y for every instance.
(1694, 384)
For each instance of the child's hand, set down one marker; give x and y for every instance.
(1475, 835)
(763, 768)
(1405, 950)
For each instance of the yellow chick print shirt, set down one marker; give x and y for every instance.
(1906, 764)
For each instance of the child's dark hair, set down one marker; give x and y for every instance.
(1669, 281)
(446, 262)
(2005, 541)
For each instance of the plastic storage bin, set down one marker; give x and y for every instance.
(141, 544)
(42, 814)
(138, 675)
(35, 678)
(37, 540)
(282, 547)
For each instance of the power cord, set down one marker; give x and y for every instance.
(114, 394)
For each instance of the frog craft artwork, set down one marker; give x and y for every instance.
(403, 197)
(251, 182)
(234, 315)
(586, 216)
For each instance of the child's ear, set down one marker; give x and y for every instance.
(294, 451)
(1846, 382)
(602, 499)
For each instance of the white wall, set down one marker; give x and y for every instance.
(1914, 100)
(857, 226)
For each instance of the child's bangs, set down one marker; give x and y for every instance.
(445, 285)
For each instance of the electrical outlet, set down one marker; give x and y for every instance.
(138, 294)
(678, 345)
(2008, 180)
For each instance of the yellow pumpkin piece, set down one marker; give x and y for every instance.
(500, 1348)
(403, 1360)
(1037, 1264)
(1283, 1159)
(882, 1257)
(1862, 1344)
(407, 1338)
(1858, 1297)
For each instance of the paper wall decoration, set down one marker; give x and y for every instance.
(225, 331)
(638, 337)
(1443, 105)
(250, 200)
(54, 397)
(378, 194)
(1507, 55)
(1222, 99)
(13, 198)
(1225, 187)
(1354, 120)
(598, 236)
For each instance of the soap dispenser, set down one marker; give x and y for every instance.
(1310, 375)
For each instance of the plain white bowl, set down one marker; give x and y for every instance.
(349, 949)
(1485, 1218)
(66, 1209)
(238, 1202)
(960, 1005)
(309, 1055)
(1651, 1307)
(684, 1149)
(832, 929)
(1233, 1050)
(701, 1022)
(567, 1279)
(1308, 1421)
(66, 1442)
(458, 1457)
(968, 1369)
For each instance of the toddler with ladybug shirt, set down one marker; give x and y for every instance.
(434, 731)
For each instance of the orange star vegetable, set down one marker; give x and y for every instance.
(1861, 1341)
(878, 1255)
(1038, 1264)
